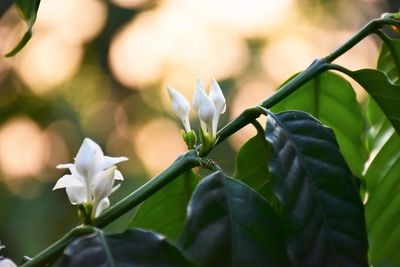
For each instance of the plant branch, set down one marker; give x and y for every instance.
(184, 163)
(371, 27)
(49, 254)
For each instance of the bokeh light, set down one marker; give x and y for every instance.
(250, 93)
(21, 157)
(158, 143)
(42, 65)
(55, 52)
(155, 45)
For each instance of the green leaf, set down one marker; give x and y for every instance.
(382, 174)
(165, 211)
(331, 99)
(321, 208)
(389, 59)
(132, 248)
(28, 10)
(252, 166)
(385, 92)
(229, 224)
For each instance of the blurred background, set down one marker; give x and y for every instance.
(99, 69)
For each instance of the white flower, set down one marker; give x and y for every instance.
(209, 108)
(4, 262)
(92, 177)
(181, 107)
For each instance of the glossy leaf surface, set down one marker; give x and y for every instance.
(382, 173)
(229, 224)
(385, 93)
(331, 99)
(165, 211)
(132, 248)
(322, 211)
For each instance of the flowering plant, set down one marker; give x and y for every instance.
(303, 193)
(91, 181)
(208, 107)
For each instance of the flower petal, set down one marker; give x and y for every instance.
(4, 262)
(103, 204)
(181, 106)
(76, 194)
(206, 111)
(118, 175)
(69, 180)
(69, 166)
(115, 188)
(88, 155)
(107, 162)
(102, 184)
(217, 97)
(197, 95)
(65, 166)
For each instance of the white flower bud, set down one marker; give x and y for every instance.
(197, 95)
(181, 107)
(217, 97)
(206, 112)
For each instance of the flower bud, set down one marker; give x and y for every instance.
(197, 95)
(190, 138)
(217, 97)
(181, 107)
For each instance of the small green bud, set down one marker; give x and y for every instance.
(84, 212)
(207, 142)
(190, 138)
(395, 16)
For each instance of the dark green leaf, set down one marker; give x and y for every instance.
(165, 211)
(322, 211)
(229, 224)
(331, 99)
(252, 166)
(28, 10)
(382, 174)
(131, 248)
(384, 92)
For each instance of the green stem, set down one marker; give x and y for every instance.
(371, 27)
(191, 158)
(258, 127)
(341, 69)
(49, 254)
(184, 163)
(251, 114)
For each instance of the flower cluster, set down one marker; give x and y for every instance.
(208, 107)
(91, 180)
